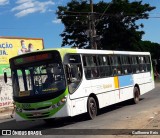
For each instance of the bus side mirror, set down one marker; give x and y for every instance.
(5, 77)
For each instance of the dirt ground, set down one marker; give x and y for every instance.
(149, 119)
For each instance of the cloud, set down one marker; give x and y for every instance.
(60, 2)
(50, 10)
(22, 1)
(26, 7)
(4, 2)
(56, 21)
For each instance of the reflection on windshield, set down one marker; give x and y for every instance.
(37, 80)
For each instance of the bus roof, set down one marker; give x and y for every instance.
(93, 51)
(90, 51)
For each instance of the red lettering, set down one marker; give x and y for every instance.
(39, 57)
(9, 103)
(35, 58)
(30, 58)
(5, 103)
(45, 56)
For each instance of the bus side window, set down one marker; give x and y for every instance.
(91, 69)
(119, 66)
(75, 67)
(126, 67)
(74, 72)
(148, 66)
(113, 64)
(129, 64)
(116, 65)
(142, 64)
(87, 70)
(104, 66)
(145, 64)
(135, 64)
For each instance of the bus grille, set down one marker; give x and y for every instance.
(32, 109)
(42, 115)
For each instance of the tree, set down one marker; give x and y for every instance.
(117, 26)
(74, 17)
(153, 48)
(122, 33)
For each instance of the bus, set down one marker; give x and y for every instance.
(66, 82)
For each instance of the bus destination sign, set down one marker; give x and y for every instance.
(33, 58)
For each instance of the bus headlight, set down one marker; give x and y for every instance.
(54, 106)
(63, 100)
(59, 103)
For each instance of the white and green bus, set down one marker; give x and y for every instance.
(63, 82)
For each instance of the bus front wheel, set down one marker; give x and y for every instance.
(92, 108)
(136, 95)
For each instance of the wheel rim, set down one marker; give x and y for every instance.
(136, 95)
(92, 108)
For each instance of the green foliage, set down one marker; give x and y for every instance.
(153, 48)
(75, 23)
(117, 26)
(122, 33)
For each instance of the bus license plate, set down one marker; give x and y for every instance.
(37, 114)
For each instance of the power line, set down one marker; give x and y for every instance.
(14, 28)
(100, 14)
(104, 12)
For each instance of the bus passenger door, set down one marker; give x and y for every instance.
(76, 84)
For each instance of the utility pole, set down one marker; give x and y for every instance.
(91, 5)
(92, 29)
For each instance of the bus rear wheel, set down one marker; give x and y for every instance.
(136, 95)
(92, 108)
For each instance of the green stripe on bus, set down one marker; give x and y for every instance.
(42, 104)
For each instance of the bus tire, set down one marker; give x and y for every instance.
(136, 94)
(92, 108)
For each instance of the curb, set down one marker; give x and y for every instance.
(5, 116)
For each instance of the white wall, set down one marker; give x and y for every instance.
(6, 93)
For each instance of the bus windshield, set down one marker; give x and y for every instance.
(42, 79)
